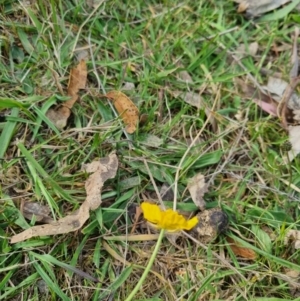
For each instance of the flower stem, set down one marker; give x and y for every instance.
(148, 267)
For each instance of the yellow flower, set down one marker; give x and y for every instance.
(169, 219)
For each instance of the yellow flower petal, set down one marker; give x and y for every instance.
(169, 219)
(191, 223)
(152, 212)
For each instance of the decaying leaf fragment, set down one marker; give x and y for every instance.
(294, 138)
(294, 236)
(278, 97)
(192, 98)
(196, 100)
(126, 109)
(238, 250)
(243, 50)
(197, 189)
(36, 210)
(266, 102)
(101, 170)
(77, 81)
(270, 101)
(276, 87)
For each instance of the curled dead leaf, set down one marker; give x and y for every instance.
(126, 109)
(101, 170)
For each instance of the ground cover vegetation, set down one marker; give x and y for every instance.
(181, 63)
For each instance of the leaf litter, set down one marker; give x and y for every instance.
(194, 98)
(278, 98)
(77, 81)
(254, 8)
(100, 170)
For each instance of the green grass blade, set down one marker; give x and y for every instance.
(52, 284)
(8, 132)
(117, 283)
(280, 13)
(43, 173)
(48, 259)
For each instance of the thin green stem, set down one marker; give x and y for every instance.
(149, 266)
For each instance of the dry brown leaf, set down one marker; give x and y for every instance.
(77, 81)
(293, 281)
(238, 250)
(197, 189)
(292, 273)
(126, 109)
(101, 170)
